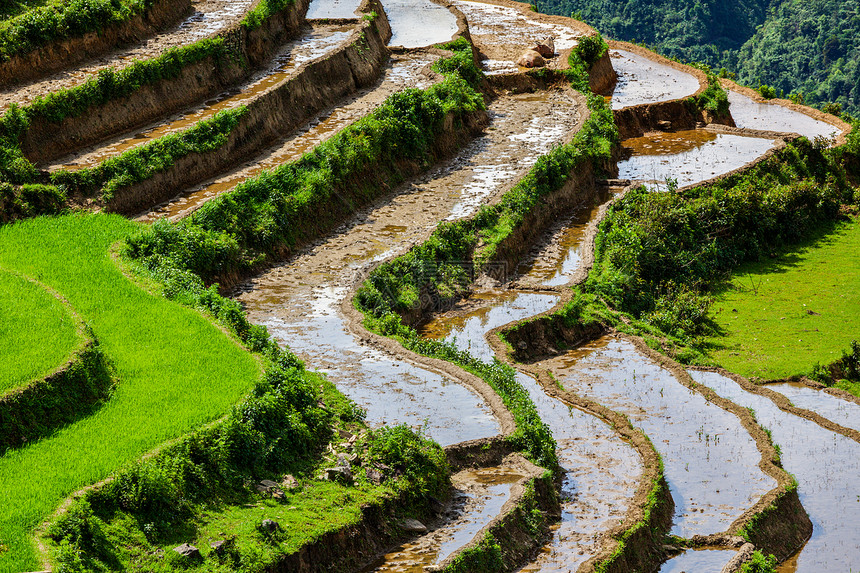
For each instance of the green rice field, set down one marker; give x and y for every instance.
(175, 370)
(37, 331)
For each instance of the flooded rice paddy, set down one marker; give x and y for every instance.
(299, 301)
(335, 9)
(478, 498)
(835, 409)
(642, 80)
(419, 23)
(698, 561)
(711, 462)
(688, 157)
(751, 114)
(826, 465)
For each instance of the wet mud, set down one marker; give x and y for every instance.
(689, 157)
(477, 499)
(299, 301)
(208, 17)
(825, 464)
(315, 42)
(502, 33)
(711, 462)
(642, 80)
(403, 71)
(419, 23)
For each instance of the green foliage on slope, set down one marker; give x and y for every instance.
(796, 46)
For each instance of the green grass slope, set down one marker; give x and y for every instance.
(38, 332)
(175, 371)
(766, 313)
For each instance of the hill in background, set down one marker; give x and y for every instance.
(796, 46)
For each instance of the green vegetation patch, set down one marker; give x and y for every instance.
(176, 370)
(38, 332)
(778, 317)
(57, 20)
(264, 216)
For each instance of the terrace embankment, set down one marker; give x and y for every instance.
(356, 63)
(37, 407)
(242, 52)
(406, 70)
(208, 19)
(67, 52)
(644, 105)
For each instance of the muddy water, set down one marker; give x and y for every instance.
(710, 460)
(750, 114)
(419, 23)
(208, 17)
(689, 157)
(401, 72)
(642, 80)
(833, 408)
(826, 466)
(601, 472)
(317, 41)
(299, 301)
(478, 497)
(698, 561)
(502, 34)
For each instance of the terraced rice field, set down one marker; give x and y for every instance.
(637, 436)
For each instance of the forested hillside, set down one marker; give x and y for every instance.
(796, 46)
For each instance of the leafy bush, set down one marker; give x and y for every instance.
(760, 564)
(40, 26)
(659, 255)
(420, 460)
(766, 91)
(845, 368)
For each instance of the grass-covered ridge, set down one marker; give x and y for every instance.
(57, 20)
(659, 256)
(38, 331)
(777, 317)
(265, 216)
(175, 371)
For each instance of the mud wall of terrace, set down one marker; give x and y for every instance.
(280, 109)
(244, 51)
(61, 54)
(637, 120)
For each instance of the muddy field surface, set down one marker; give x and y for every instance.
(299, 300)
(208, 17)
(502, 33)
(477, 499)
